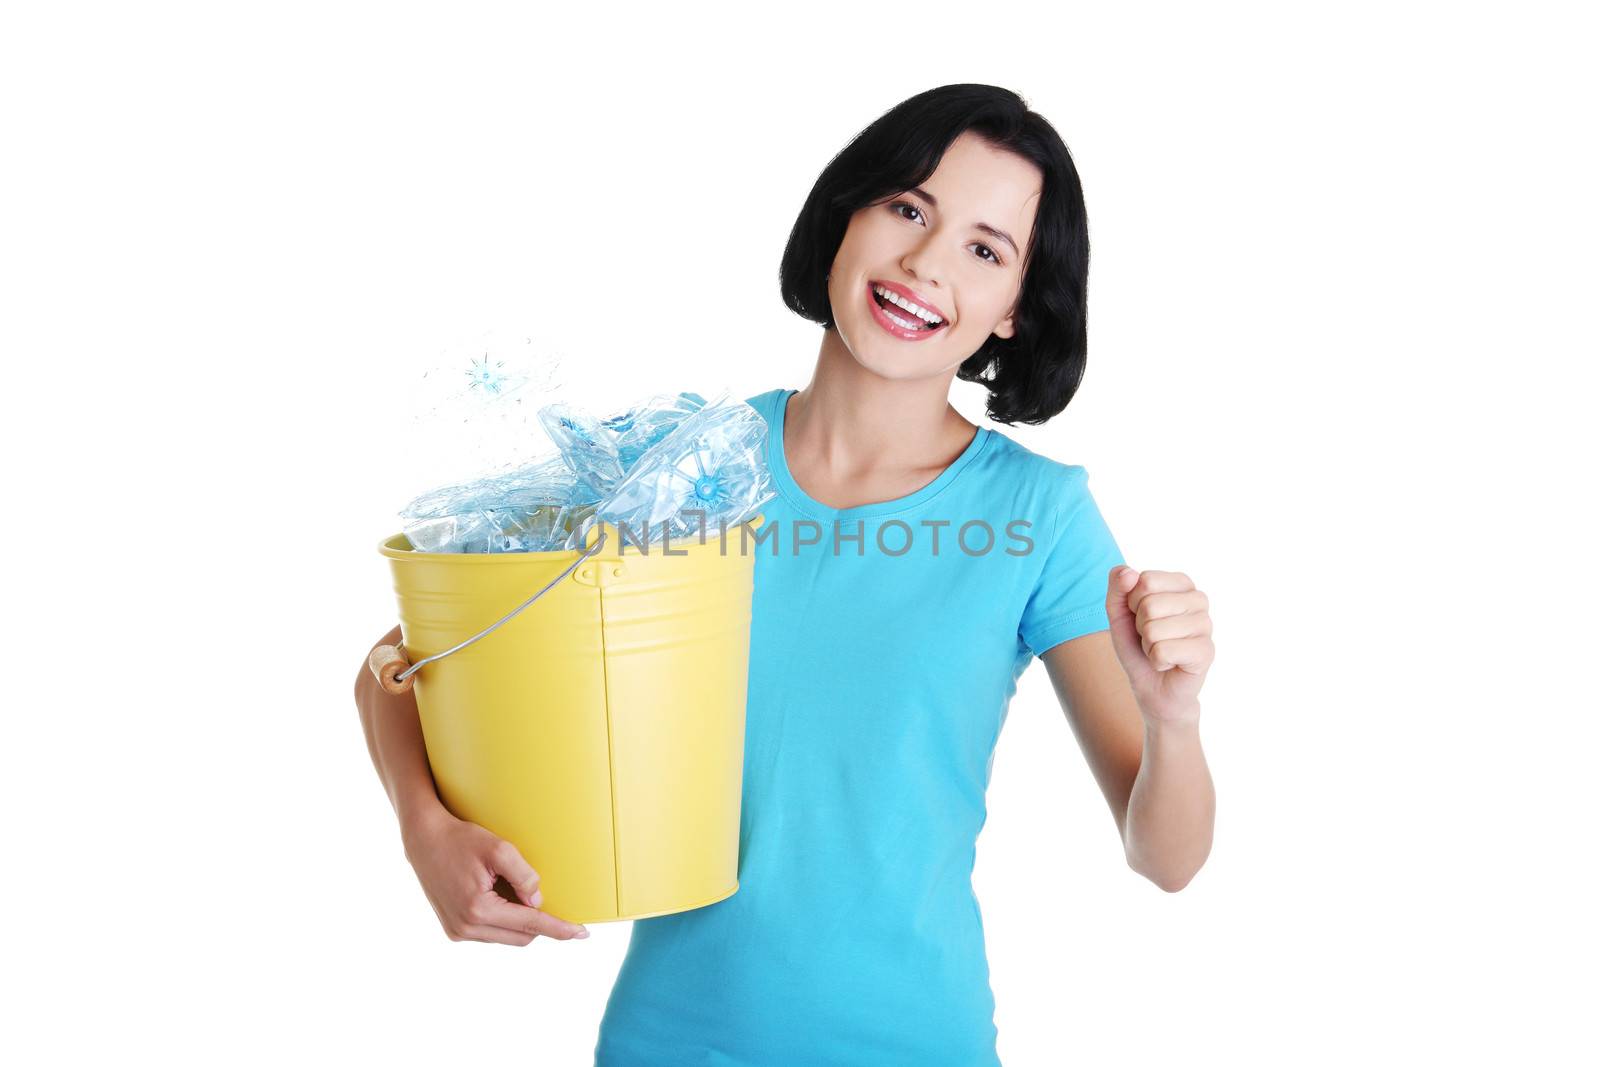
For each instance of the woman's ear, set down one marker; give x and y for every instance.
(1006, 327)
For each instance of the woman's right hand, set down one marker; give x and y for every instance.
(458, 862)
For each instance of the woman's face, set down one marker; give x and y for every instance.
(953, 247)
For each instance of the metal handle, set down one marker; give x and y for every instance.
(388, 662)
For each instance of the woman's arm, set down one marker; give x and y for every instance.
(1138, 722)
(394, 740)
(458, 863)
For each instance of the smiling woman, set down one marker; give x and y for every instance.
(941, 246)
(978, 196)
(947, 239)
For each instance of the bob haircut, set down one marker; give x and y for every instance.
(1032, 375)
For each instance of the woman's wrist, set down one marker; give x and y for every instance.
(1170, 723)
(419, 817)
(1160, 711)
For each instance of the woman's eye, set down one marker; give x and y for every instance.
(986, 253)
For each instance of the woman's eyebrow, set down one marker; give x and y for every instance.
(999, 235)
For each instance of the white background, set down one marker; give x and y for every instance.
(1341, 373)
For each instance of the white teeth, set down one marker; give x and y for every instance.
(897, 299)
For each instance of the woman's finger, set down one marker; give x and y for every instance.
(493, 911)
(1171, 627)
(1192, 655)
(1163, 605)
(496, 935)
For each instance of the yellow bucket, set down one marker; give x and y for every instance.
(601, 731)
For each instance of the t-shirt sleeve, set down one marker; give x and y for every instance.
(1069, 599)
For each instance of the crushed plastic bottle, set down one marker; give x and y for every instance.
(709, 472)
(672, 467)
(532, 509)
(602, 451)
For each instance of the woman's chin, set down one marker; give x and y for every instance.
(895, 366)
(887, 357)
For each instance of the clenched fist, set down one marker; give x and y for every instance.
(1161, 629)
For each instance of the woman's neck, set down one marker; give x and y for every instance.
(852, 437)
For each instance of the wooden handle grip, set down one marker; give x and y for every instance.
(386, 662)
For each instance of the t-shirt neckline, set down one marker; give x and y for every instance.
(778, 466)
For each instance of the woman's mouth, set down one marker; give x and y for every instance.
(901, 316)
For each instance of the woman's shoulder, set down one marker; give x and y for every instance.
(1016, 460)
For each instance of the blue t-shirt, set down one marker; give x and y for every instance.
(880, 676)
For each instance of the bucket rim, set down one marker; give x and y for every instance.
(394, 546)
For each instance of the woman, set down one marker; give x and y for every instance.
(917, 564)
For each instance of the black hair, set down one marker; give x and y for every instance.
(1032, 375)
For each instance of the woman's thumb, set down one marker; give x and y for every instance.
(509, 864)
(1124, 626)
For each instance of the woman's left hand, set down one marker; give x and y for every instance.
(1161, 629)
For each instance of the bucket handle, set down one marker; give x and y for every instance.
(388, 662)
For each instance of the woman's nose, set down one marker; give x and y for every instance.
(922, 262)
